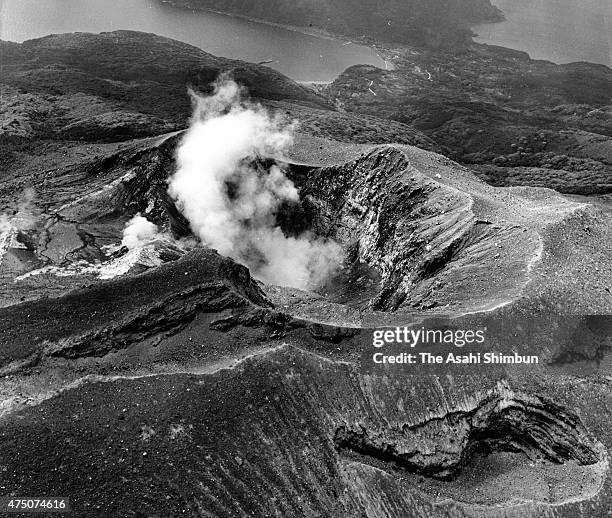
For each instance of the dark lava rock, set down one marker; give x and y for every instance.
(118, 313)
(294, 434)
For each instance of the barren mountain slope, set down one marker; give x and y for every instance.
(165, 380)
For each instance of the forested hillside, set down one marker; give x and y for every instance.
(434, 22)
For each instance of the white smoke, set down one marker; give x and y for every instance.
(140, 236)
(138, 232)
(231, 203)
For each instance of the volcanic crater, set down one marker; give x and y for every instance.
(170, 372)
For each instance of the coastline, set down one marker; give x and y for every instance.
(533, 30)
(308, 31)
(315, 32)
(384, 51)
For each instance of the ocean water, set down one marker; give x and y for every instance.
(561, 31)
(300, 56)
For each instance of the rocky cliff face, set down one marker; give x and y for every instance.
(291, 433)
(426, 233)
(158, 304)
(418, 233)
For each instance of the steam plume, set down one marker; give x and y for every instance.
(138, 232)
(231, 203)
(139, 236)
